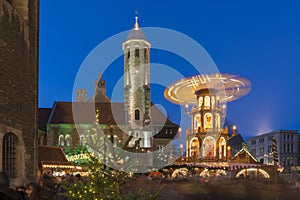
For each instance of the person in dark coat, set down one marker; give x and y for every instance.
(5, 192)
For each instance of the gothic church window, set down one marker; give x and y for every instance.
(115, 141)
(9, 153)
(61, 140)
(68, 140)
(137, 114)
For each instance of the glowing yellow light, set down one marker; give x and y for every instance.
(234, 127)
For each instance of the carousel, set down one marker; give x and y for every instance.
(205, 98)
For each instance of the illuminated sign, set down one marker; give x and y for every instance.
(74, 158)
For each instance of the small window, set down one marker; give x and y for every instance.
(82, 140)
(128, 53)
(137, 53)
(9, 144)
(137, 114)
(115, 141)
(68, 140)
(200, 102)
(207, 102)
(61, 140)
(261, 140)
(146, 53)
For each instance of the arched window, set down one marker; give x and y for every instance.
(209, 147)
(146, 53)
(213, 102)
(207, 102)
(200, 102)
(68, 140)
(194, 147)
(116, 141)
(61, 140)
(137, 114)
(9, 153)
(137, 52)
(207, 121)
(217, 121)
(82, 140)
(128, 53)
(222, 148)
(197, 122)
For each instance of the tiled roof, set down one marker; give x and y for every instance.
(84, 113)
(52, 155)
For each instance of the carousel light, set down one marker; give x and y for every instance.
(186, 108)
(180, 133)
(234, 129)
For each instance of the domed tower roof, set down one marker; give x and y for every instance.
(136, 32)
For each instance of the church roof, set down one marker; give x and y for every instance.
(136, 32)
(114, 113)
(43, 117)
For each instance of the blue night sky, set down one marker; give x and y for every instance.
(258, 40)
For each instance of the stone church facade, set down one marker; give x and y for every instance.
(18, 87)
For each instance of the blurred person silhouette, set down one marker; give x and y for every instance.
(7, 193)
(32, 191)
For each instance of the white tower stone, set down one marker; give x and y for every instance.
(137, 87)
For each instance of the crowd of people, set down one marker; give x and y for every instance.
(22, 192)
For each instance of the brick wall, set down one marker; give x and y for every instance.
(18, 76)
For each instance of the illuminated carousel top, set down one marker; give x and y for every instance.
(227, 87)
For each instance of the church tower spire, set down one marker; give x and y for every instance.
(137, 86)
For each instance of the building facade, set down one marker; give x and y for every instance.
(19, 22)
(287, 143)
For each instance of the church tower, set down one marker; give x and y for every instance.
(137, 87)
